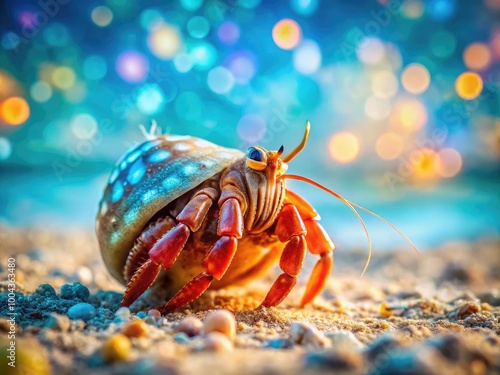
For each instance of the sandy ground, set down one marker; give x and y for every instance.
(437, 314)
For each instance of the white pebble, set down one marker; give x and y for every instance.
(221, 321)
(344, 340)
(123, 313)
(217, 342)
(84, 275)
(305, 334)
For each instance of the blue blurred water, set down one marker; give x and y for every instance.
(458, 211)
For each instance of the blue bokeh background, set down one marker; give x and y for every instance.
(395, 125)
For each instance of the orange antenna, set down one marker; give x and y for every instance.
(388, 223)
(301, 146)
(351, 206)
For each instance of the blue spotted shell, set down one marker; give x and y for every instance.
(146, 179)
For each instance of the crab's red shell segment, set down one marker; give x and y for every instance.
(146, 179)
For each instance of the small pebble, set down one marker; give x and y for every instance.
(181, 338)
(58, 322)
(385, 311)
(150, 320)
(280, 343)
(190, 325)
(456, 272)
(303, 333)
(344, 340)
(45, 290)
(84, 311)
(116, 348)
(75, 291)
(217, 342)
(467, 309)
(136, 328)
(451, 347)
(407, 363)
(335, 360)
(84, 275)
(220, 321)
(383, 346)
(123, 313)
(141, 314)
(154, 314)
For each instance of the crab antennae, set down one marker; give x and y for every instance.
(300, 147)
(345, 201)
(388, 223)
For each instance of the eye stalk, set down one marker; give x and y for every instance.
(256, 159)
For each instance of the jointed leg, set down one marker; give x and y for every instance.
(217, 260)
(318, 243)
(165, 244)
(290, 229)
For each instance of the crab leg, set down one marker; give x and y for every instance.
(166, 249)
(291, 229)
(217, 260)
(318, 243)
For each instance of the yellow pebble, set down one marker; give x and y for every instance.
(136, 328)
(385, 310)
(486, 307)
(217, 342)
(221, 321)
(117, 348)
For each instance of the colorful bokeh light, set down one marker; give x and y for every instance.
(251, 128)
(63, 77)
(410, 114)
(416, 79)
(41, 91)
(477, 56)
(449, 163)
(220, 80)
(287, 34)
(102, 16)
(370, 51)
(14, 110)
(384, 84)
(469, 85)
(164, 41)
(344, 147)
(132, 66)
(424, 162)
(228, 33)
(389, 146)
(151, 99)
(307, 57)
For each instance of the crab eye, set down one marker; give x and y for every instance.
(256, 159)
(254, 154)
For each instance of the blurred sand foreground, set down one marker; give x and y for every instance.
(436, 315)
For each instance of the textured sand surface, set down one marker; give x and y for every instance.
(443, 317)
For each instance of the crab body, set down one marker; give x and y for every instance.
(196, 215)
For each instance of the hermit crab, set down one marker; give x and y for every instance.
(198, 216)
